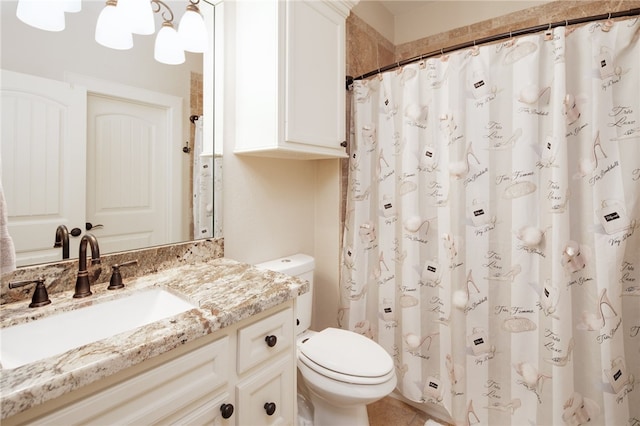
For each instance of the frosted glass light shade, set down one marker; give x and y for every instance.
(138, 15)
(110, 29)
(193, 32)
(168, 48)
(42, 14)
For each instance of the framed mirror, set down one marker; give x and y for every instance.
(101, 140)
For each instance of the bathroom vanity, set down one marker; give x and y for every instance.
(230, 360)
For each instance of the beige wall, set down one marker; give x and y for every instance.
(274, 208)
(427, 18)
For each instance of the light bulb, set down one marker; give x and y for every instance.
(193, 31)
(168, 48)
(110, 30)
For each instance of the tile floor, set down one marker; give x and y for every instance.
(393, 412)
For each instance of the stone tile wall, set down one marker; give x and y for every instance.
(367, 50)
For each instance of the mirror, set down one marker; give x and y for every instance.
(73, 56)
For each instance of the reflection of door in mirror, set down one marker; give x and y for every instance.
(43, 162)
(130, 190)
(127, 188)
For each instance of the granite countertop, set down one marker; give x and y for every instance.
(225, 291)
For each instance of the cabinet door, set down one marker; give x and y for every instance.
(262, 340)
(315, 75)
(273, 385)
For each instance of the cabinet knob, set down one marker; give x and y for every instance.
(270, 408)
(226, 410)
(271, 340)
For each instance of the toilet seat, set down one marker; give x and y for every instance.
(346, 356)
(345, 378)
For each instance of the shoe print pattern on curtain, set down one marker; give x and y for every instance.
(492, 241)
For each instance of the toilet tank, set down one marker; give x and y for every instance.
(301, 266)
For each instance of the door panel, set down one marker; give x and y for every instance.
(43, 162)
(127, 183)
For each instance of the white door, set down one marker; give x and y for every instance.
(127, 180)
(43, 162)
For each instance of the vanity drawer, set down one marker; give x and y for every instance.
(264, 339)
(163, 392)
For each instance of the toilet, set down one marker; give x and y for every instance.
(342, 371)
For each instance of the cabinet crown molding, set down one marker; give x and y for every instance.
(342, 6)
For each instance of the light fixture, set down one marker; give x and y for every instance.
(120, 19)
(139, 16)
(109, 29)
(168, 47)
(192, 30)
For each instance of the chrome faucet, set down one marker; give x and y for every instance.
(83, 287)
(62, 240)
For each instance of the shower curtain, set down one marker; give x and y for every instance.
(202, 187)
(492, 241)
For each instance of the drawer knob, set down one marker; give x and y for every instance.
(271, 340)
(226, 410)
(270, 408)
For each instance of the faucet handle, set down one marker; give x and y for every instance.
(40, 296)
(116, 278)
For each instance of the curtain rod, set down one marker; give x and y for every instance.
(489, 39)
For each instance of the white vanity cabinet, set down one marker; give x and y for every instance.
(249, 367)
(290, 78)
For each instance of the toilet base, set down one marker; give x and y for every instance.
(326, 414)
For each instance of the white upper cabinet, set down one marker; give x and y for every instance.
(290, 78)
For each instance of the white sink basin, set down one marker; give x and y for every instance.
(26, 343)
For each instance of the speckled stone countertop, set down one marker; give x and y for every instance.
(225, 291)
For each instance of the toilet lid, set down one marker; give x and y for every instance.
(347, 353)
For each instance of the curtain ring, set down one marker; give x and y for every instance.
(443, 57)
(608, 24)
(475, 50)
(567, 30)
(548, 35)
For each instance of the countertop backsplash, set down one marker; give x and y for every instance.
(61, 276)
